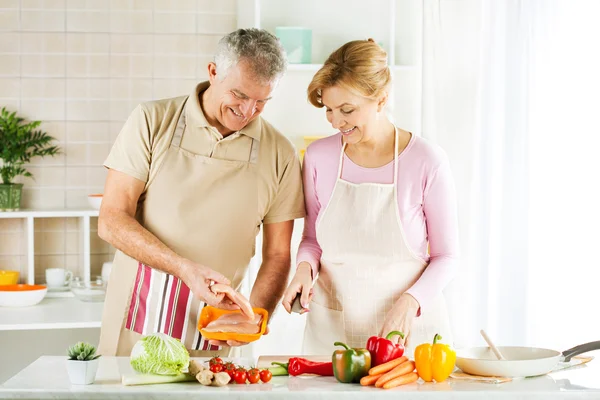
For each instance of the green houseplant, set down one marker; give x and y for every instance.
(82, 364)
(20, 141)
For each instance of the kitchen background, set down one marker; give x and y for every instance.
(508, 89)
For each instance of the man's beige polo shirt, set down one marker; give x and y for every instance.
(144, 140)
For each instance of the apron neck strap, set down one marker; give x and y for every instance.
(395, 160)
(395, 155)
(178, 134)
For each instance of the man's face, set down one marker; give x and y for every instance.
(240, 96)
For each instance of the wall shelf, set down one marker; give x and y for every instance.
(30, 215)
(395, 24)
(52, 313)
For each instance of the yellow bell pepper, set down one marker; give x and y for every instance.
(434, 362)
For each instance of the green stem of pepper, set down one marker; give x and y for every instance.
(436, 338)
(394, 333)
(342, 344)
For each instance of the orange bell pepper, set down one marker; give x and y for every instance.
(434, 362)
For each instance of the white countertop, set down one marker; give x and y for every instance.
(46, 378)
(52, 313)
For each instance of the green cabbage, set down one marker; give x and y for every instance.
(159, 354)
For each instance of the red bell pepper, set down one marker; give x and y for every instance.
(383, 350)
(298, 366)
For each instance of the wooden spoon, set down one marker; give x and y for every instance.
(491, 344)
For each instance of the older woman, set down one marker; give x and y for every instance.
(381, 225)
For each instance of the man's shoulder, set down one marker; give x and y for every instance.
(276, 139)
(158, 110)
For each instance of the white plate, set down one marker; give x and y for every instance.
(56, 289)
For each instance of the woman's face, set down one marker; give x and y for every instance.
(353, 115)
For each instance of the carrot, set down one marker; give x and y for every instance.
(402, 369)
(388, 366)
(402, 380)
(369, 379)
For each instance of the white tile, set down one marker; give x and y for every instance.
(87, 43)
(180, 5)
(11, 87)
(174, 67)
(99, 5)
(88, 110)
(132, 5)
(215, 24)
(175, 44)
(43, 20)
(43, 43)
(43, 88)
(88, 89)
(93, 65)
(131, 44)
(88, 20)
(37, 65)
(9, 20)
(10, 42)
(49, 110)
(221, 6)
(174, 22)
(207, 44)
(131, 22)
(43, 4)
(9, 4)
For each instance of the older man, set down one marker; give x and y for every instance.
(190, 181)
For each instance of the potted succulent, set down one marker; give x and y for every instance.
(20, 141)
(82, 364)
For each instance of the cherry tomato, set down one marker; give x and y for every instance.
(230, 369)
(253, 375)
(214, 368)
(240, 376)
(265, 375)
(215, 360)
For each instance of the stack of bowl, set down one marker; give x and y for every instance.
(13, 294)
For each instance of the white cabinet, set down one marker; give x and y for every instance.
(53, 313)
(395, 24)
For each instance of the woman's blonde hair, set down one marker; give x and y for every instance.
(360, 66)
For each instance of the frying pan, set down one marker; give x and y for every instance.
(520, 361)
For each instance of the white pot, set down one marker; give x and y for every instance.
(82, 372)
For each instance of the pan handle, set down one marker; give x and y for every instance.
(582, 348)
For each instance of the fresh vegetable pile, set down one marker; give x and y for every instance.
(239, 374)
(383, 365)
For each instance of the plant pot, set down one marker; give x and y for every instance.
(10, 196)
(82, 372)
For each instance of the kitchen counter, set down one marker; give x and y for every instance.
(46, 378)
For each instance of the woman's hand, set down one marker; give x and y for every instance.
(400, 318)
(301, 283)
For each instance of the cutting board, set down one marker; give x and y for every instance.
(265, 361)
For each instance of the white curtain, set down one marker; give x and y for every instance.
(510, 91)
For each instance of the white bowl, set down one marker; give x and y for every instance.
(21, 295)
(95, 201)
(89, 291)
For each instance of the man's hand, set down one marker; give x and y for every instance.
(199, 279)
(400, 318)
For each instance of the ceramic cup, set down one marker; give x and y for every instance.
(106, 268)
(58, 277)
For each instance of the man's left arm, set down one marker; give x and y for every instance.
(274, 271)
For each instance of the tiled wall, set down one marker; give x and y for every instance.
(81, 66)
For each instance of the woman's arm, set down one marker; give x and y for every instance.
(441, 219)
(309, 250)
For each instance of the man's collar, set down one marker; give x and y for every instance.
(196, 118)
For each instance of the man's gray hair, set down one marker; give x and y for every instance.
(261, 49)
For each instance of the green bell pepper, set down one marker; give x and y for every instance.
(350, 365)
